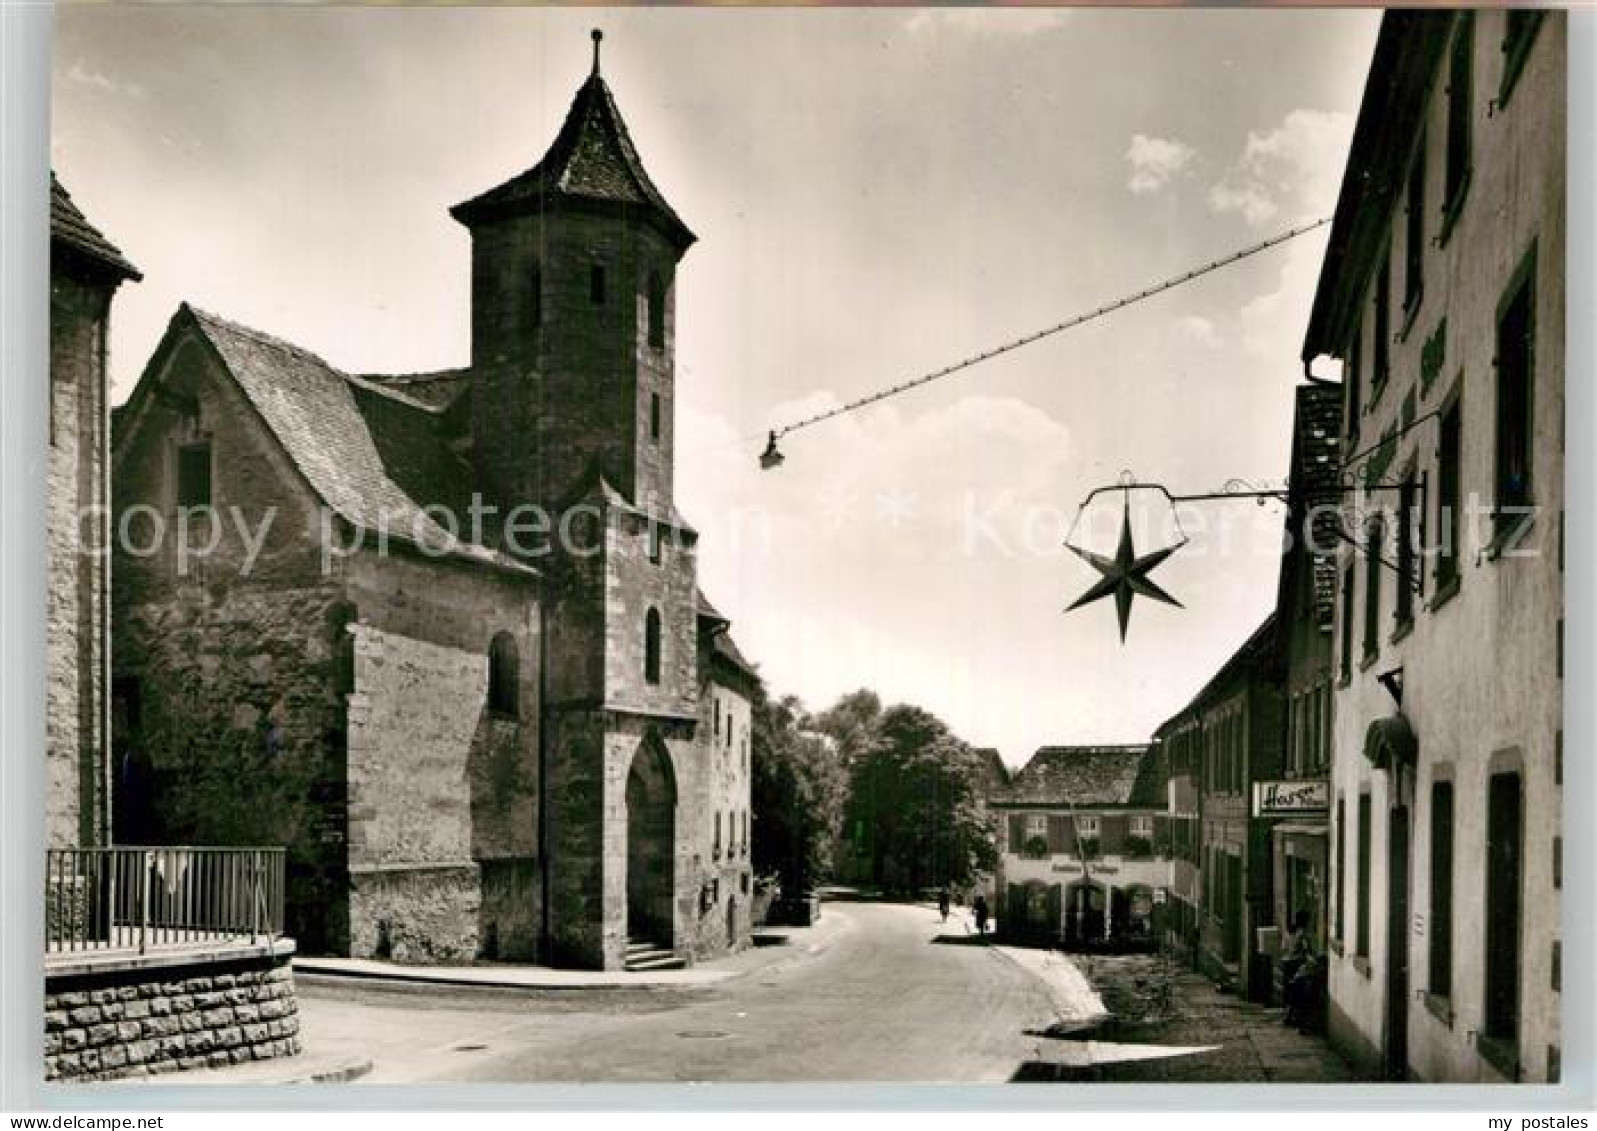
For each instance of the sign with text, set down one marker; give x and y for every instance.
(1290, 798)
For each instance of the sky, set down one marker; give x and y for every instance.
(877, 193)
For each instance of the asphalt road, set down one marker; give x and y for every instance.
(887, 994)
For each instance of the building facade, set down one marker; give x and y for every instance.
(441, 633)
(1442, 294)
(1298, 806)
(85, 271)
(1079, 862)
(1229, 737)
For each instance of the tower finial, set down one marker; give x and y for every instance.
(597, 36)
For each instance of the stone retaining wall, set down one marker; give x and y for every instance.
(209, 1012)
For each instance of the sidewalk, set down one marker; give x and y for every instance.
(1170, 1024)
(774, 946)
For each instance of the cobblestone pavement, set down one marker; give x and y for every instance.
(1170, 1024)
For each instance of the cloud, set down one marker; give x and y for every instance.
(1294, 168)
(84, 76)
(1272, 324)
(1198, 329)
(1154, 161)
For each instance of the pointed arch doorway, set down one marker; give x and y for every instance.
(651, 844)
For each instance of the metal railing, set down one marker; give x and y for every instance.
(142, 899)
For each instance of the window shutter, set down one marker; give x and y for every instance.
(1017, 833)
(1114, 834)
(1056, 834)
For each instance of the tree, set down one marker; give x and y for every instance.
(797, 788)
(915, 798)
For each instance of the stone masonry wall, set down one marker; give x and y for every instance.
(229, 669)
(164, 1019)
(443, 790)
(572, 389)
(76, 597)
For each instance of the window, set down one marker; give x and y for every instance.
(596, 284)
(1142, 826)
(1036, 825)
(1459, 127)
(1403, 597)
(1347, 622)
(1441, 924)
(654, 416)
(1088, 827)
(715, 850)
(654, 539)
(1518, 34)
(1515, 378)
(503, 697)
(1338, 910)
(1374, 550)
(1361, 894)
(1449, 500)
(1414, 233)
(717, 716)
(1354, 379)
(1503, 866)
(651, 646)
(656, 311)
(1383, 327)
(194, 476)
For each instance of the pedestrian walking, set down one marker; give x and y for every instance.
(980, 908)
(1297, 962)
(942, 904)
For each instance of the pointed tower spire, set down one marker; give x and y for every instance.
(592, 164)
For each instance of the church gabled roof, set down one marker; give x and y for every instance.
(375, 457)
(71, 228)
(592, 162)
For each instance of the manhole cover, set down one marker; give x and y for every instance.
(704, 1034)
(469, 1048)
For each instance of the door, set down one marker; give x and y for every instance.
(1504, 845)
(651, 835)
(1397, 948)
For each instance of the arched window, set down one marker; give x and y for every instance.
(656, 311)
(503, 676)
(651, 646)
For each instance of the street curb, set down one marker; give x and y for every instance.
(341, 1072)
(324, 976)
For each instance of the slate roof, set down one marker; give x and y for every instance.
(721, 642)
(435, 390)
(376, 458)
(69, 227)
(1087, 776)
(592, 161)
(1315, 475)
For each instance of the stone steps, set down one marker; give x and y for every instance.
(645, 954)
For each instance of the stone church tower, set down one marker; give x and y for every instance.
(573, 270)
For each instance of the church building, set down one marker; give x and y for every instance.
(442, 633)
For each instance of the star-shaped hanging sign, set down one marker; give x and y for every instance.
(1125, 575)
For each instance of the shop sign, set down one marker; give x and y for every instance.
(1289, 798)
